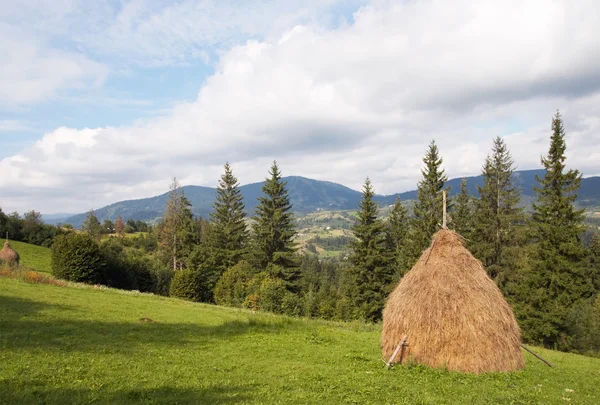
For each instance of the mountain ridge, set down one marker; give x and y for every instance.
(309, 195)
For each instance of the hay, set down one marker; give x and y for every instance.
(8, 255)
(453, 314)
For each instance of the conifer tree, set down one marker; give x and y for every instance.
(397, 233)
(556, 280)
(176, 229)
(229, 233)
(273, 231)
(428, 208)
(91, 225)
(498, 215)
(594, 262)
(462, 214)
(372, 268)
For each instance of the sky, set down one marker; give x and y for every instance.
(103, 101)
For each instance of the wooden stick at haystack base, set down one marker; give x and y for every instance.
(400, 346)
(537, 356)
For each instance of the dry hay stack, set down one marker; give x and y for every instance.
(452, 313)
(8, 255)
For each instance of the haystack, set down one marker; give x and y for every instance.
(452, 314)
(8, 255)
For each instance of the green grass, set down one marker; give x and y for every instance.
(32, 256)
(71, 345)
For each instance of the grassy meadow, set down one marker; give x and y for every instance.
(32, 256)
(79, 344)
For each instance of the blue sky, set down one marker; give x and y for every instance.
(105, 101)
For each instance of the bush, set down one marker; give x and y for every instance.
(186, 284)
(232, 287)
(118, 274)
(142, 274)
(583, 326)
(271, 294)
(77, 257)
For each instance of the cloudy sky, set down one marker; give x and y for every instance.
(102, 101)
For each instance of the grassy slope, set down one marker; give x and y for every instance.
(32, 256)
(70, 345)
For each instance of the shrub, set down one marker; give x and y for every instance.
(271, 294)
(141, 270)
(186, 284)
(77, 257)
(583, 326)
(232, 287)
(118, 274)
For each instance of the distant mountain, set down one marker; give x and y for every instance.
(55, 218)
(308, 195)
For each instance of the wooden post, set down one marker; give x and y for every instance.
(537, 355)
(400, 345)
(444, 221)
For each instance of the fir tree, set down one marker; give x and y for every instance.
(462, 214)
(594, 262)
(273, 231)
(397, 234)
(229, 233)
(91, 225)
(556, 280)
(372, 268)
(176, 229)
(428, 208)
(498, 216)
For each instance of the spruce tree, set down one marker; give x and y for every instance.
(229, 233)
(499, 218)
(556, 280)
(428, 208)
(273, 231)
(594, 262)
(176, 231)
(91, 225)
(397, 234)
(462, 213)
(372, 268)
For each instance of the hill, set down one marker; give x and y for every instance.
(32, 256)
(89, 345)
(308, 195)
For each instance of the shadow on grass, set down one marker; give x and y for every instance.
(21, 331)
(24, 393)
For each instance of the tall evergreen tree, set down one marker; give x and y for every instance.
(229, 233)
(594, 262)
(372, 265)
(428, 208)
(397, 233)
(462, 213)
(557, 279)
(498, 218)
(176, 229)
(91, 225)
(273, 231)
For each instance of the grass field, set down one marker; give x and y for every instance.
(32, 256)
(66, 345)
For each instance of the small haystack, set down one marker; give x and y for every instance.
(452, 314)
(8, 255)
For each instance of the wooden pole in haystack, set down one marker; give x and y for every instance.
(444, 220)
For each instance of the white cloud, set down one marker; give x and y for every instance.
(33, 72)
(341, 104)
